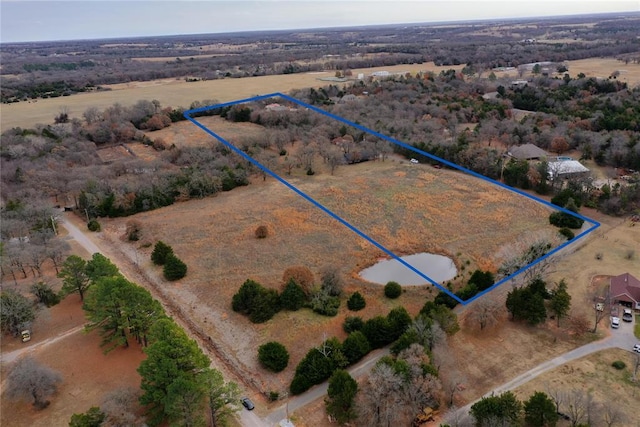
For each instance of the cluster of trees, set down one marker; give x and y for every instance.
(177, 383)
(545, 409)
(18, 311)
(299, 290)
(528, 302)
(117, 409)
(173, 268)
(428, 329)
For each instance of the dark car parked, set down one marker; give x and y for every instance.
(247, 403)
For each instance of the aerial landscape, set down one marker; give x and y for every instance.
(350, 213)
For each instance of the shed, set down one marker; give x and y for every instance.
(625, 289)
(527, 152)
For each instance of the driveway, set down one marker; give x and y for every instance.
(622, 337)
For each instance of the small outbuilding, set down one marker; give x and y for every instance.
(625, 289)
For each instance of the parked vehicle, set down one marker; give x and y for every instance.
(636, 348)
(615, 322)
(26, 335)
(247, 403)
(627, 315)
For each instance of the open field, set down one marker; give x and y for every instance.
(218, 244)
(176, 93)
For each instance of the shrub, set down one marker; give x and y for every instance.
(262, 232)
(133, 231)
(273, 396)
(619, 365)
(292, 297)
(174, 268)
(273, 356)
(94, 225)
(566, 232)
(356, 302)
(259, 303)
(161, 252)
(563, 219)
(325, 304)
(392, 290)
(352, 324)
(45, 294)
(378, 331)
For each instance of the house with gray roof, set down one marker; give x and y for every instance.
(527, 152)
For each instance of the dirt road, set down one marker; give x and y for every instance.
(13, 355)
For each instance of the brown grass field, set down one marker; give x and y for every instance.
(411, 208)
(176, 93)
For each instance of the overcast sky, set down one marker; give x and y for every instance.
(25, 20)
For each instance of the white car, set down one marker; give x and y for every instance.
(636, 348)
(615, 322)
(627, 315)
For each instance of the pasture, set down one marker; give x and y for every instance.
(409, 207)
(176, 93)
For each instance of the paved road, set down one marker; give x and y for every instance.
(320, 390)
(622, 338)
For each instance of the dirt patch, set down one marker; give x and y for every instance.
(112, 154)
(604, 67)
(88, 374)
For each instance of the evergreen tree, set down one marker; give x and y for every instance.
(341, 394)
(356, 302)
(171, 358)
(161, 252)
(540, 411)
(74, 276)
(560, 301)
(292, 297)
(174, 268)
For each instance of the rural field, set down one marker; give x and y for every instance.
(179, 93)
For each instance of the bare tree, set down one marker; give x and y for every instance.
(600, 304)
(576, 406)
(611, 413)
(33, 382)
(119, 408)
(485, 312)
(557, 395)
(454, 417)
(380, 398)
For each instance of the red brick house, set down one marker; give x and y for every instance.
(625, 289)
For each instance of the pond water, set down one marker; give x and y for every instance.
(437, 267)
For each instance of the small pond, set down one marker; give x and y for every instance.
(438, 267)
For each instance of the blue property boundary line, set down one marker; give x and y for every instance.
(188, 115)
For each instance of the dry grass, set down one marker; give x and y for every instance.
(176, 93)
(604, 67)
(411, 208)
(592, 374)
